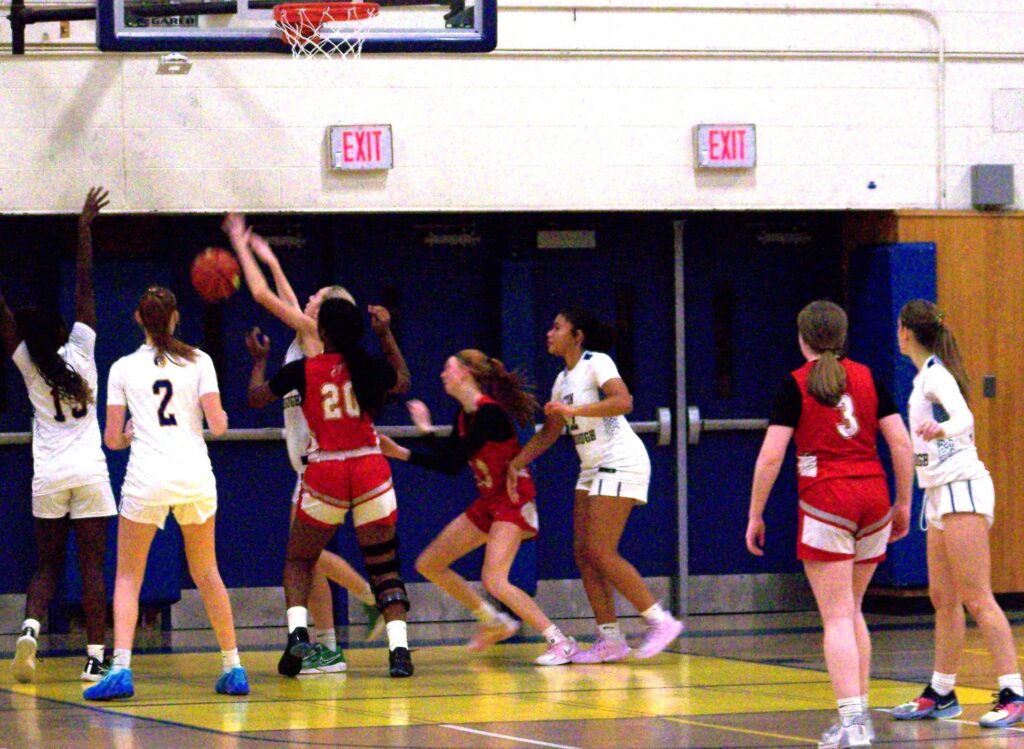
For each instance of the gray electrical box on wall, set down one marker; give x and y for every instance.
(991, 186)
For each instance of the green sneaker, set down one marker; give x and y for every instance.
(321, 660)
(375, 623)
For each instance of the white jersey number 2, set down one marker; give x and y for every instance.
(332, 399)
(848, 427)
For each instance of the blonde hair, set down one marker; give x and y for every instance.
(509, 389)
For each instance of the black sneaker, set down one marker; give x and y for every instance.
(400, 663)
(296, 649)
(94, 670)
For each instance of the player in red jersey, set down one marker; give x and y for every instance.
(834, 408)
(341, 391)
(485, 437)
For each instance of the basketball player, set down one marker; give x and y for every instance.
(168, 387)
(341, 390)
(833, 407)
(590, 399)
(70, 483)
(325, 656)
(959, 509)
(484, 436)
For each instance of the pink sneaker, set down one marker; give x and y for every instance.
(658, 637)
(559, 653)
(501, 628)
(604, 650)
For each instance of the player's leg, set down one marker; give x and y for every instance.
(198, 530)
(337, 570)
(134, 538)
(378, 540)
(51, 549)
(91, 538)
(862, 574)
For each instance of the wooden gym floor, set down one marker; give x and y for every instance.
(750, 681)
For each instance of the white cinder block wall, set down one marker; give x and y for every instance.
(585, 106)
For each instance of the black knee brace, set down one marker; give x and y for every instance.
(385, 575)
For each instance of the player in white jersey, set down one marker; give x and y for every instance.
(958, 507)
(168, 387)
(590, 400)
(325, 656)
(70, 483)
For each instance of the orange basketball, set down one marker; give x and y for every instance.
(215, 274)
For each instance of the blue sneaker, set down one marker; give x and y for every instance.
(116, 685)
(233, 682)
(929, 705)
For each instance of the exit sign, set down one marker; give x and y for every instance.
(726, 146)
(361, 147)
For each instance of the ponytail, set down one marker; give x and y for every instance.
(510, 389)
(827, 379)
(156, 307)
(926, 322)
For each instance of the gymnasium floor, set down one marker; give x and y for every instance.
(731, 681)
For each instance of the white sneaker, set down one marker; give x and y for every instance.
(500, 628)
(559, 653)
(845, 737)
(24, 666)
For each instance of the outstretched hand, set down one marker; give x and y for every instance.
(380, 319)
(233, 225)
(420, 415)
(94, 202)
(261, 248)
(258, 345)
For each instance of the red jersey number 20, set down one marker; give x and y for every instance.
(333, 398)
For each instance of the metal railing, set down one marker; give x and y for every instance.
(661, 426)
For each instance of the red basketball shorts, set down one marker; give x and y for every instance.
(333, 487)
(844, 519)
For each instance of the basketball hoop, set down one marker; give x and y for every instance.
(335, 29)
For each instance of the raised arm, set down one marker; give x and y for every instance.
(85, 294)
(238, 233)
(380, 319)
(8, 328)
(766, 470)
(265, 254)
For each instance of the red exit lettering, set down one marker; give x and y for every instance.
(361, 146)
(726, 145)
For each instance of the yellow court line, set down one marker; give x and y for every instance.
(751, 731)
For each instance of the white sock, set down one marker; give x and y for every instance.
(398, 636)
(553, 634)
(122, 659)
(32, 624)
(943, 684)
(655, 614)
(485, 613)
(1011, 681)
(367, 597)
(94, 651)
(229, 659)
(610, 631)
(849, 708)
(297, 617)
(328, 638)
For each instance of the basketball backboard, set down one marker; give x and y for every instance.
(248, 26)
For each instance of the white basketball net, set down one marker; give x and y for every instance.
(338, 31)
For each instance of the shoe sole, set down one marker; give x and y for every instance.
(397, 673)
(86, 676)
(290, 663)
(24, 666)
(1001, 723)
(320, 670)
(931, 715)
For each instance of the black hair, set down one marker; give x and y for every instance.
(44, 332)
(597, 335)
(341, 327)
